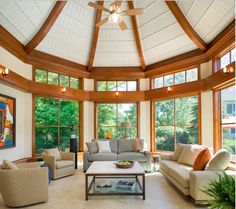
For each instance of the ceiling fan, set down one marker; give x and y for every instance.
(116, 16)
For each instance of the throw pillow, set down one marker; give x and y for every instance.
(189, 154)
(138, 145)
(178, 150)
(92, 147)
(8, 165)
(54, 152)
(103, 146)
(219, 161)
(202, 159)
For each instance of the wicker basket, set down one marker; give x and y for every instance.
(119, 165)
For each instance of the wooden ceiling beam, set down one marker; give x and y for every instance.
(95, 36)
(47, 25)
(192, 34)
(137, 37)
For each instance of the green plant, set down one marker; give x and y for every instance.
(222, 192)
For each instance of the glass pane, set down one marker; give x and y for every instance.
(233, 54)
(165, 138)
(64, 80)
(169, 80)
(127, 113)
(187, 110)
(121, 85)
(52, 78)
(192, 75)
(187, 134)
(65, 135)
(106, 114)
(228, 105)
(69, 114)
(228, 134)
(225, 60)
(45, 138)
(132, 86)
(111, 85)
(105, 131)
(180, 77)
(41, 76)
(74, 83)
(101, 85)
(164, 112)
(158, 82)
(46, 111)
(130, 133)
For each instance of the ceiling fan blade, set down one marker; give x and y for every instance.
(118, 3)
(136, 11)
(102, 22)
(96, 6)
(123, 25)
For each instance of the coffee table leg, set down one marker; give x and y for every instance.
(86, 187)
(143, 177)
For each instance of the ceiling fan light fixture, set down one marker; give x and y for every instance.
(115, 18)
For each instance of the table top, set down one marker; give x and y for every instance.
(108, 167)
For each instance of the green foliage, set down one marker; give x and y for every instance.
(222, 192)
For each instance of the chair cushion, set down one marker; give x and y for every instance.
(92, 147)
(178, 150)
(8, 165)
(219, 161)
(105, 156)
(54, 152)
(202, 159)
(125, 145)
(138, 156)
(64, 163)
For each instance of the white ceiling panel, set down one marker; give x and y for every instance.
(23, 18)
(70, 36)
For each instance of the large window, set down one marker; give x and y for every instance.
(116, 85)
(227, 58)
(176, 121)
(55, 121)
(228, 120)
(118, 119)
(176, 78)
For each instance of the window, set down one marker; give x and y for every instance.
(55, 121)
(116, 85)
(56, 79)
(227, 58)
(113, 117)
(176, 121)
(228, 120)
(176, 78)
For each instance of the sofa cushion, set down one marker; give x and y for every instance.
(165, 164)
(125, 145)
(64, 163)
(92, 147)
(178, 150)
(6, 164)
(219, 161)
(54, 152)
(138, 156)
(202, 159)
(112, 142)
(189, 154)
(103, 146)
(106, 156)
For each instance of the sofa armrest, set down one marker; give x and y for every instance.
(86, 161)
(165, 156)
(50, 160)
(67, 156)
(28, 165)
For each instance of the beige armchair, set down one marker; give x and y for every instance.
(25, 186)
(63, 167)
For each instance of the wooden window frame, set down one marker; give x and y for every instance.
(153, 125)
(96, 117)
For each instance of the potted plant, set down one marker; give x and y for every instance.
(222, 192)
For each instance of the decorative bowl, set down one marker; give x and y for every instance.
(124, 164)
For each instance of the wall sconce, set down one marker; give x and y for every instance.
(169, 89)
(5, 71)
(63, 90)
(228, 70)
(117, 94)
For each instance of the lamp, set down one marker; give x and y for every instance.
(117, 94)
(169, 89)
(115, 18)
(63, 90)
(5, 71)
(126, 125)
(228, 70)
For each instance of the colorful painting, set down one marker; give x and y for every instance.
(7, 122)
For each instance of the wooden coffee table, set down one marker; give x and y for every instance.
(108, 170)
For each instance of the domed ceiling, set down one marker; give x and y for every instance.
(71, 36)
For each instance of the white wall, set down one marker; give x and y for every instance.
(88, 121)
(145, 123)
(206, 69)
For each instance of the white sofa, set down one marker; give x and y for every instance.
(188, 181)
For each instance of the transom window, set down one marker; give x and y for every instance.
(116, 85)
(227, 58)
(116, 120)
(176, 78)
(176, 121)
(44, 76)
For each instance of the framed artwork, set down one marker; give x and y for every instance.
(7, 121)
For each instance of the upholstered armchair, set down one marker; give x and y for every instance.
(63, 167)
(25, 186)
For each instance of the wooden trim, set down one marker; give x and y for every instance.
(217, 143)
(152, 125)
(33, 126)
(188, 29)
(95, 120)
(199, 118)
(138, 119)
(47, 25)
(95, 36)
(81, 126)
(137, 37)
